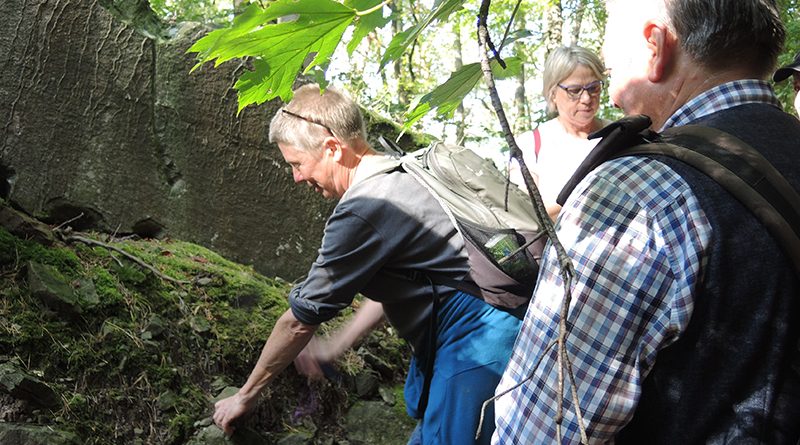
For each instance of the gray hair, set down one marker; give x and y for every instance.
(724, 33)
(561, 62)
(312, 115)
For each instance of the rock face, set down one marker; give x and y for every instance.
(34, 435)
(102, 121)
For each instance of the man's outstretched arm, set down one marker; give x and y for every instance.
(288, 338)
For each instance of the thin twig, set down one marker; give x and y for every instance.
(68, 221)
(566, 268)
(373, 9)
(522, 382)
(127, 255)
(510, 23)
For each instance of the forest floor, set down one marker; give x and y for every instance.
(110, 340)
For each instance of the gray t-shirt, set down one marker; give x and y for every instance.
(384, 227)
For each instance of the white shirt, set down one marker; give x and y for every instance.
(560, 155)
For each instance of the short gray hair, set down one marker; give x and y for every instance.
(561, 62)
(724, 33)
(312, 115)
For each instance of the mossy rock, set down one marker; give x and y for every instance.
(24, 434)
(375, 422)
(142, 362)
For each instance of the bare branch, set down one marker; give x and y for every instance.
(567, 269)
(91, 242)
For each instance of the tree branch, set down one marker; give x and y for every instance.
(567, 269)
(91, 242)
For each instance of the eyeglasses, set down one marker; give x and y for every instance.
(575, 91)
(283, 110)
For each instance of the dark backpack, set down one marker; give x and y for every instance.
(732, 163)
(503, 237)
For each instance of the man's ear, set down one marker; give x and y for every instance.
(332, 147)
(661, 43)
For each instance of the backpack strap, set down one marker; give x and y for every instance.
(430, 355)
(626, 132)
(742, 171)
(390, 146)
(537, 142)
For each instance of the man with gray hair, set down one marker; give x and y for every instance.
(685, 311)
(385, 228)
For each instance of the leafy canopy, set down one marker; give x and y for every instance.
(281, 38)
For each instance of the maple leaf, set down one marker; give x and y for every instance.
(446, 97)
(367, 23)
(279, 50)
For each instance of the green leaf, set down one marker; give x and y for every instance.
(513, 66)
(252, 18)
(396, 47)
(365, 24)
(446, 97)
(441, 11)
(279, 50)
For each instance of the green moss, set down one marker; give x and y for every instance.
(142, 364)
(400, 404)
(17, 251)
(106, 284)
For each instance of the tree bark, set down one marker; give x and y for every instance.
(522, 109)
(554, 24)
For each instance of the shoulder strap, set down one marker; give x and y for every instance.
(626, 132)
(390, 146)
(741, 170)
(537, 142)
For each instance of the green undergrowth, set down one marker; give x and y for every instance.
(144, 361)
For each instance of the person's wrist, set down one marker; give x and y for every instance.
(247, 395)
(327, 352)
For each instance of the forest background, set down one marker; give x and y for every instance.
(415, 62)
(125, 155)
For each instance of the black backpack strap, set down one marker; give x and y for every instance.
(430, 354)
(390, 146)
(741, 170)
(626, 132)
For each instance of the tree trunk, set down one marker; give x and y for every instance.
(521, 108)
(403, 98)
(459, 63)
(580, 10)
(554, 24)
(99, 119)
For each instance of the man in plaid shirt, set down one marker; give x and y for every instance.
(685, 311)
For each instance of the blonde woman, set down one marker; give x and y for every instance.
(573, 82)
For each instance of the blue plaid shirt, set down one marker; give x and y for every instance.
(637, 236)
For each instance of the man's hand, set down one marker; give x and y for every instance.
(309, 361)
(287, 339)
(228, 410)
(322, 351)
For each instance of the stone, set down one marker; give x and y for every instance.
(225, 393)
(26, 434)
(47, 285)
(366, 383)
(387, 395)
(86, 292)
(119, 129)
(373, 422)
(22, 385)
(212, 435)
(25, 227)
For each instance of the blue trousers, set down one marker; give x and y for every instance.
(474, 342)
